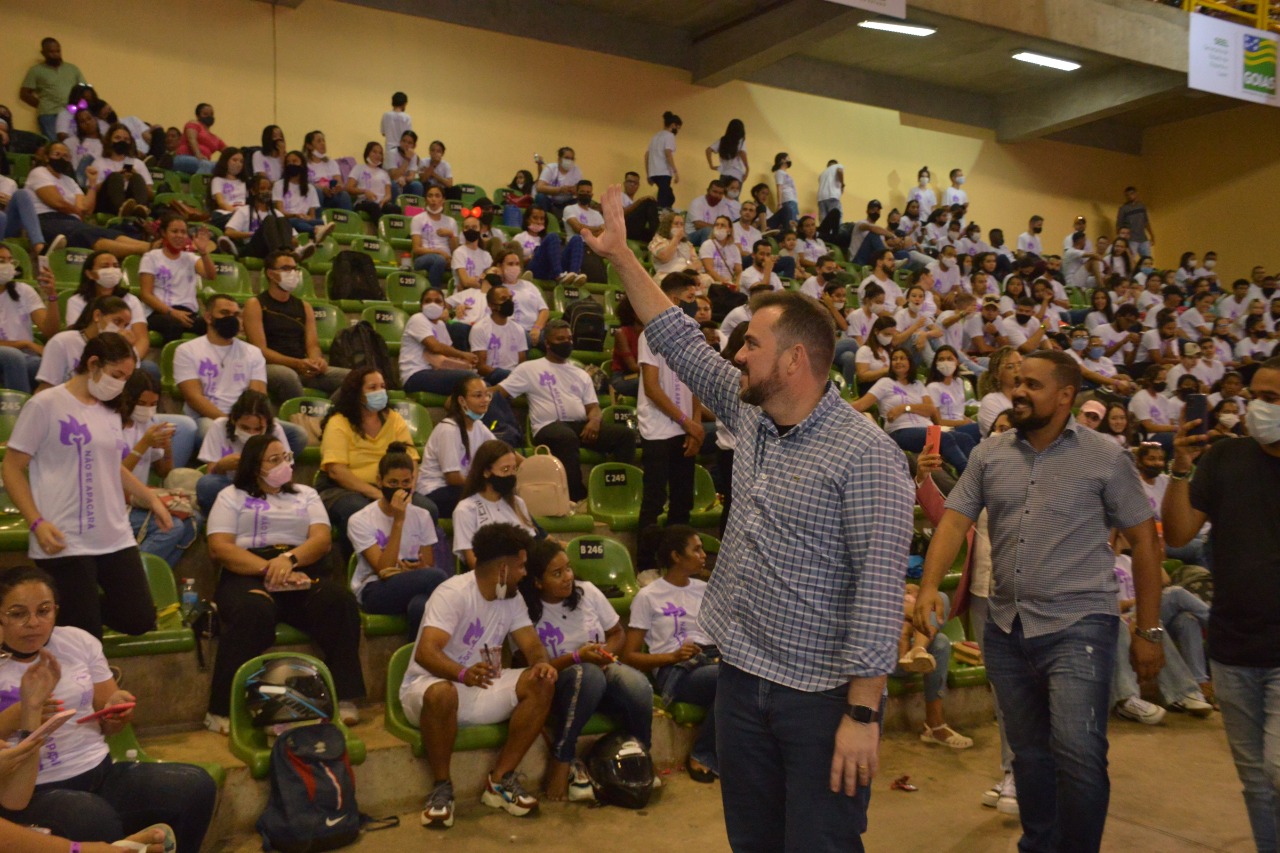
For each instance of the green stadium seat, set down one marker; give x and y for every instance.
(232, 278)
(347, 225)
(564, 294)
(13, 527)
(572, 523)
(405, 289)
(373, 624)
(706, 503)
(249, 744)
(960, 674)
(287, 635)
(385, 259)
(170, 635)
(620, 415)
(198, 186)
(19, 167)
(395, 230)
(329, 321)
(470, 193)
(124, 746)
(410, 200)
(682, 713)
(315, 407)
(167, 384)
(418, 419)
(11, 402)
(614, 490)
(66, 264)
(469, 737)
(388, 322)
(607, 564)
(187, 198)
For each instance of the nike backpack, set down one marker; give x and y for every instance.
(312, 806)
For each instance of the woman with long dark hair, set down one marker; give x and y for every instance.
(489, 496)
(269, 159)
(446, 461)
(731, 152)
(226, 190)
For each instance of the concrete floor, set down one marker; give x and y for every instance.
(1173, 788)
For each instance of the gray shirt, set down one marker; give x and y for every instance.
(1134, 216)
(1050, 516)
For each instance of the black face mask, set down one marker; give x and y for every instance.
(207, 121)
(507, 309)
(61, 166)
(503, 485)
(1037, 229)
(690, 308)
(873, 217)
(389, 492)
(227, 327)
(471, 235)
(561, 350)
(263, 198)
(120, 147)
(1152, 471)
(294, 170)
(831, 276)
(1159, 387)
(584, 201)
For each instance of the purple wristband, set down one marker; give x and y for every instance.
(462, 676)
(75, 847)
(577, 657)
(39, 521)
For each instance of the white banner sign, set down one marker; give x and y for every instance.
(892, 8)
(1233, 60)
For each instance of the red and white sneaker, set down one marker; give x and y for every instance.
(509, 794)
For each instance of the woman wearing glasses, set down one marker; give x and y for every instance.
(271, 538)
(77, 791)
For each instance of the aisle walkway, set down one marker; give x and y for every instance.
(1174, 789)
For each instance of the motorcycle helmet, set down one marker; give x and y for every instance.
(621, 771)
(287, 690)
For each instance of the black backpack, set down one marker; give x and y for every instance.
(359, 345)
(312, 806)
(354, 277)
(586, 322)
(274, 231)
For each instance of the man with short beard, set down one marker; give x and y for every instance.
(1053, 622)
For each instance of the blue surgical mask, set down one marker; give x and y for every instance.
(475, 416)
(375, 401)
(1095, 353)
(1079, 344)
(1148, 270)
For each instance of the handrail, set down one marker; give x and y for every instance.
(1261, 14)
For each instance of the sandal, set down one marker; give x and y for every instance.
(954, 739)
(704, 776)
(919, 660)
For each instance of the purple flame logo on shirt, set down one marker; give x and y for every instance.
(381, 538)
(551, 637)
(547, 379)
(495, 347)
(164, 280)
(473, 633)
(72, 433)
(208, 373)
(260, 527)
(675, 611)
(471, 268)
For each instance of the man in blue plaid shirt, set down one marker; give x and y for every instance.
(806, 600)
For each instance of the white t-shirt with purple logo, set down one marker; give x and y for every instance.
(668, 615)
(41, 177)
(948, 398)
(176, 280)
(371, 178)
(890, 394)
(279, 519)
(471, 261)
(434, 230)
(444, 453)
(319, 174)
(556, 392)
(529, 303)
(528, 243)
(412, 351)
(502, 344)
(15, 315)
(371, 526)
(224, 372)
(563, 631)
(75, 307)
(216, 445)
(654, 424)
(75, 451)
(232, 190)
(292, 201)
(61, 356)
(107, 167)
(588, 216)
(476, 511)
(469, 305)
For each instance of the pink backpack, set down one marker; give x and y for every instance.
(541, 483)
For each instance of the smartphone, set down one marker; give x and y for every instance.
(288, 587)
(109, 711)
(1197, 409)
(42, 263)
(932, 439)
(50, 725)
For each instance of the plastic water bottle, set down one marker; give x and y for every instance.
(190, 598)
(406, 262)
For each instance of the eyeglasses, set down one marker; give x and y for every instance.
(23, 616)
(287, 456)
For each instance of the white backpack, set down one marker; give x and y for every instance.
(541, 483)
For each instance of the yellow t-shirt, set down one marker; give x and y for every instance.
(343, 445)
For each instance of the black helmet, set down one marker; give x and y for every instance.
(621, 771)
(287, 690)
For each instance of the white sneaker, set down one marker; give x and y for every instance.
(322, 231)
(580, 789)
(1140, 711)
(992, 795)
(217, 724)
(348, 713)
(1008, 802)
(1193, 704)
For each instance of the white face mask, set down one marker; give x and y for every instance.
(1263, 421)
(1210, 264)
(721, 233)
(109, 277)
(142, 415)
(290, 280)
(435, 211)
(8, 272)
(1228, 420)
(946, 368)
(243, 435)
(885, 338)
(105, 387)
(946, 263)
(960, 180)
(433, 310)
(924, 181)
(566, 165)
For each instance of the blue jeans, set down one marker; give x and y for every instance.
(191, 165)
(435, 266)
(1196, 552)
(1055, 692)
(168, 545)
(935, 683)
(305, 226)
(787, 212)
(697, 688)
(446, 499)
(435, 380)
(1250, 701)
(785, 267)
(21, 216)
(551, 259)
(338, 201)
(404, 594)
(18, 369)
(955, 446)
(846, 350)
(978, 621)
(48, 125)
(584, 688)
(185, 430)
(1174, 680)
(624, 386)
(826, 205)
(207, 489)
(1185, 616)
(411, 188)
(700, 235)
(775, 745)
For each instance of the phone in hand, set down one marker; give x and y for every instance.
(288, 587)
(42, 263)
(109, 711)
(50, 725)
(932, 439)
(1197, 409)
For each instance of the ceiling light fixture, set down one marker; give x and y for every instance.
(1046, 61)
(901, 29)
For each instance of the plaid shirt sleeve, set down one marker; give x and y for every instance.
(676, 337)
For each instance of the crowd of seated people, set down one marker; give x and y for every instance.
(931, 319)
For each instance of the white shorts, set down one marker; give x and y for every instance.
(477, 706)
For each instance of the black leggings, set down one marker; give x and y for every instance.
(118, 187)
(112, 801)
(327, 612)
(124, 602)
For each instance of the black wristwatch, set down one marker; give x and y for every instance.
(862, 714)
(293, 558)
(20, 735)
